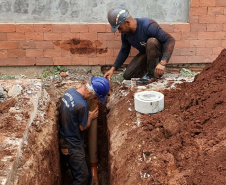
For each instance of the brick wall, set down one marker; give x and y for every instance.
(199, 41)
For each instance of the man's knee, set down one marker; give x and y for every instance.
(152, 43)
(153, 48)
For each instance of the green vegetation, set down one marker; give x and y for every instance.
(52, 72)
(188, 73)
(98, 74)
(6, 77)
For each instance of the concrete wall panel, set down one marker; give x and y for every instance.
(89, 11)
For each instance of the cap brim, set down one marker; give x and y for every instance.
(114, 29)
(102, 99)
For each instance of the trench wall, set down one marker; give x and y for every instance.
(199, 40)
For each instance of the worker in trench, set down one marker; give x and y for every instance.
(75, 117)
(155, 46)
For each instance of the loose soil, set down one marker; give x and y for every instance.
(183, 144)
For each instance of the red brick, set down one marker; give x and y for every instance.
(116, 52)
(34, 53)
(43, 27)
(220, 19)
(117, 36)
(209, 58)
(8, 61)
(3, 36)
(110, 60)
(25, 28)
(3, 53)
(97, 28)
(114, 44)
(16, 53)
(184, 51)
(214, 27)
(110, 52)
(207, 3)
(108, 28)
(52, 53)
(197, 43)
(104, 52)
(52, 36)
(217, 50)
(224, 28)
(16, 36)
(182, 44)
(26, 44)
(213, 43)
(69, 36)
(8, 45)
(207, 19)
(204, 51)
(198, 10)
(97, 60)
(177, 36)
(61, 28)
(80, 28)
(62, 60)
(81, 60)
(194, 3)
(167, 27)
(190, 36)
(44, 61)
(223, 43)
(215, 10)
(26, 61)
(195, 59)
(205, 35)
(194, 19)
(88, 36)
(220, 3)
(182, 27)
(105, 36)
(220, 35)
(7, 27)
(66, 53)
(44, 44)
(198, 27)
(34, 36)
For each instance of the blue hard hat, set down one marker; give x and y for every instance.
(116, 16)
(101, 87)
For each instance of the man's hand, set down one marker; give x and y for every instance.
(94, 114)
(159, 70)
(109, 73)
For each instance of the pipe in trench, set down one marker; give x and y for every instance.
(92, 144)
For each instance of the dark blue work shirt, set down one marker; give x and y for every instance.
(146, 28)
(74, 112)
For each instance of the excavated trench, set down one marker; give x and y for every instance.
(183, 144)
(29, 135)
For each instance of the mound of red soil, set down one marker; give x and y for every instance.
(185, 143)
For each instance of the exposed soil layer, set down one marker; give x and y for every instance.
(183, 144)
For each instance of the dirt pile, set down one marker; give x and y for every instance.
(184, 144)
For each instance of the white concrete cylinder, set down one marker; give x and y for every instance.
(149, 102)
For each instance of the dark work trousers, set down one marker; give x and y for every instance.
(79, 164)
(138, 66)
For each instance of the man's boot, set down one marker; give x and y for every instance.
(150, 75)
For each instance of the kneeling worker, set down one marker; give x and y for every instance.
(155, 46)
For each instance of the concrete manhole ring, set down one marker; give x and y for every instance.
(149, 102)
